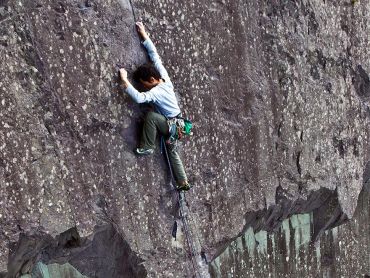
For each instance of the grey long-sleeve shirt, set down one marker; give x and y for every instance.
(162, 95)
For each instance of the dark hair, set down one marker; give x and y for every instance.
(144, 72)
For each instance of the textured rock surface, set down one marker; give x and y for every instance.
(278, 91)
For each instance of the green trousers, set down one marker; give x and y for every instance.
(156, 122)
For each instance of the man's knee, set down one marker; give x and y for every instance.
(150, 116)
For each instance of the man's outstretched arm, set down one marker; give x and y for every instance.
(152, 51)
(135, 94)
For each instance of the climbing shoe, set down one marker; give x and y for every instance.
(142, 151)
(183, 187)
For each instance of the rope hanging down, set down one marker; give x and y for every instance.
(180, 198)
(181, 201)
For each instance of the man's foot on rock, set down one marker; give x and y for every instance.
(184, 186)
(143, 151)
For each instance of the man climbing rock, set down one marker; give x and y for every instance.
(154, 77)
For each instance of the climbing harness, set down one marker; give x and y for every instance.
(183, 215)
(178, 128)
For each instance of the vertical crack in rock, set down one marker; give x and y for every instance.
(299, 169)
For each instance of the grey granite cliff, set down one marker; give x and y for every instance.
(279, 95)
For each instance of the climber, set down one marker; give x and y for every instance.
(154, 77)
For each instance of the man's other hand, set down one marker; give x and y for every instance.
(123, 74)
(141, 30)
(124, 80)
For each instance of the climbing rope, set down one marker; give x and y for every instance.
(180, 198)
(183, 215)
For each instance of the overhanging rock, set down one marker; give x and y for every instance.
(103, 254)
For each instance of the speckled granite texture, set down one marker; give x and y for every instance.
(278, 92)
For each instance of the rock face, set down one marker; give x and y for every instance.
(278, 92)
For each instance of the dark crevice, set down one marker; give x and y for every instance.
(279, 128)
(299, 169)
(361, 82)
(174, 230)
